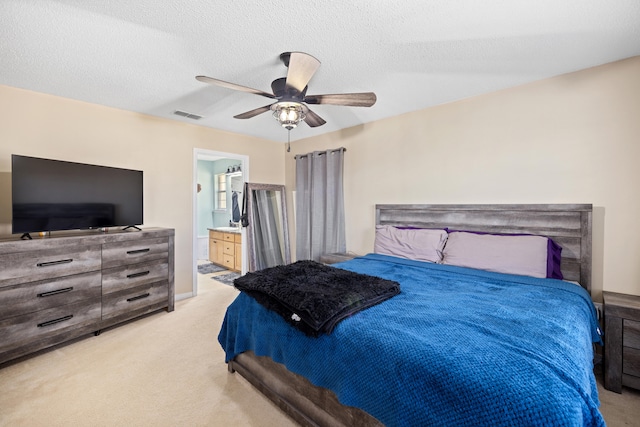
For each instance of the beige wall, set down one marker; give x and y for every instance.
(570, 139)
(41, 125)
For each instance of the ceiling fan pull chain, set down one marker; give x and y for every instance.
(288, 140)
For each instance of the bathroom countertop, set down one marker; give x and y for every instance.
(226, 229)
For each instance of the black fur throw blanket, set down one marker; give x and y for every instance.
(314, 297)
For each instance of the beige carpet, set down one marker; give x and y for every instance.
(166, 369)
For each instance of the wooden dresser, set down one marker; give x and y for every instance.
(225, 249)
(58, 288)
(621, 341)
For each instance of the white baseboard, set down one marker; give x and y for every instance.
(180, 297)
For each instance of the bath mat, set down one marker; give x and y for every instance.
(209, 268)
(227, 279)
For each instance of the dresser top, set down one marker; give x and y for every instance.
(14, 244)
(621, 305)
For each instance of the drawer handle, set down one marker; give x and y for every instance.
(142, 273)
(53, 322)
(56, 292)
(138, 251)
(138, 297)
(50, 263)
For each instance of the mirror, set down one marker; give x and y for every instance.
(236, 184)
(236, 181)
(267, 233)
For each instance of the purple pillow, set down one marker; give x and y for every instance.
(554, 260)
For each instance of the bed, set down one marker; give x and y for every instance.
(491, 348)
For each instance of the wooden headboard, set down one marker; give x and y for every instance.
(567, 224)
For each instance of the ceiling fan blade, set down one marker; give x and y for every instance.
(253, 113)
(313, 120)
(210, 80)
(364, 99)
(302, 67)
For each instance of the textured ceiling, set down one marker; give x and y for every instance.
(144, 55)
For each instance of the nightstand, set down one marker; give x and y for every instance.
(336, 257)
(621, 341)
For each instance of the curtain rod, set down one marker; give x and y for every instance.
(320, 153)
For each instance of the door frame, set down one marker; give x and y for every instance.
(211, 155)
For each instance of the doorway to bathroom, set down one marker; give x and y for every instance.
(218, 181)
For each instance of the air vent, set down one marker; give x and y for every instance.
(187, 115)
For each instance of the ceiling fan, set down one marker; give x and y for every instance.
(290, 93)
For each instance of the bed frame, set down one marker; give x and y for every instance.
(567, 224)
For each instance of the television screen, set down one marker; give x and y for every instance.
(50, 195)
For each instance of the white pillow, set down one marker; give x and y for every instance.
(524, 255)
(418, 244)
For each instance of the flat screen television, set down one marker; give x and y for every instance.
(53, 195)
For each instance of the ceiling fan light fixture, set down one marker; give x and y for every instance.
(289, 114)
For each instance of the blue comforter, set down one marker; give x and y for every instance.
(456, 347)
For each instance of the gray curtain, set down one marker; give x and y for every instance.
(320, 204)
(267, 229)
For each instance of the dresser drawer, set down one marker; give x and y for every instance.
(229, 248)
(229, 261)
(129, 276)
(23, 267)
(130, 303)
(29, 297)
(229, 237)
(115, 254)
(631, 334)
(27, 329)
